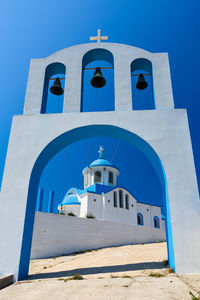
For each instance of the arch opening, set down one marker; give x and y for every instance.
(156, 222)
(53, 103)
(97, 99)
(142, 99)
(140, 219)
(68, 138)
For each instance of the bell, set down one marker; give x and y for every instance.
(98, 81)
(56, 88)
(141, 84)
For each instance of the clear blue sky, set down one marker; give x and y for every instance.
(35, 29)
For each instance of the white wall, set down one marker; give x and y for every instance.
(118, 214)
(57, 234)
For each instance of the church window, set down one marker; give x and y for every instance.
(97, 176)
(115, 199)
(140, 219)
(127, 201)
(110, 177)
(121, 204)
(156, 222)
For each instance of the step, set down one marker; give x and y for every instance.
(6, 280)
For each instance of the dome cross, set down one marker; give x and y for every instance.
(101, 152)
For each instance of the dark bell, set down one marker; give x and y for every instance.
(98, 81)
(141, 84)
(56, 88)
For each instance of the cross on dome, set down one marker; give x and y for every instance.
(98, 38)
(101, 152)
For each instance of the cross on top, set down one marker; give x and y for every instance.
(101, 152)
(98, 38)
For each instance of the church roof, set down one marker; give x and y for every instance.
(69, 199)
(95, 188)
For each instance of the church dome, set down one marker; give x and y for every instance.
(100, 171)
(70, 199)
(100, 162)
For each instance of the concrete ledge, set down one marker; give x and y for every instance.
(6, 280)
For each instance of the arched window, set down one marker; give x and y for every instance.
(121, 202)
(97, 176)
(127, 201)
(97, 99)
(110, 179)
(52, 103)
(142, 98)
(115, 199)
(156, 222)
(140, 219)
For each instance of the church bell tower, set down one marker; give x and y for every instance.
(161, 134)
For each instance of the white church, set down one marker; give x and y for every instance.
(103, 199)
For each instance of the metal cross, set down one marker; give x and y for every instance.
(98, 38)
(101, 152)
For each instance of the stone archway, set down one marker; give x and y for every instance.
(58, 144)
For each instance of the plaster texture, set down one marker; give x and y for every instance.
(35, 138)
(123, 55)
(53, 235)
(102, 208)
(170, 140)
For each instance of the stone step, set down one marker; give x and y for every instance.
(6, 280)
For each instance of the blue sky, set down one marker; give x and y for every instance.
(35, 29)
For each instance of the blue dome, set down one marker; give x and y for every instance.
(70, 199)
(100, 162)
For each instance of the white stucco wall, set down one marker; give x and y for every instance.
(90, 172)
(165, 129)
(75, 209)
(102, 208)
(57, 234)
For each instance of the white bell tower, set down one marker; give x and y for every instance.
(161, 134)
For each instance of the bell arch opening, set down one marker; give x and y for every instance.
(142, 85)
(68, 138)
(97, 87)
(53, 90)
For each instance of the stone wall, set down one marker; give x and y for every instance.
(59, 234)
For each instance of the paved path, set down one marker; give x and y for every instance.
(126, 272)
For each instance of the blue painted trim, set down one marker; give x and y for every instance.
(69, 203)
(40, 197)
(142, 224)
(158, 222)
(66, 139)
(51, 199)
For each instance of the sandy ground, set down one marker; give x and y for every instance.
(126, 272)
